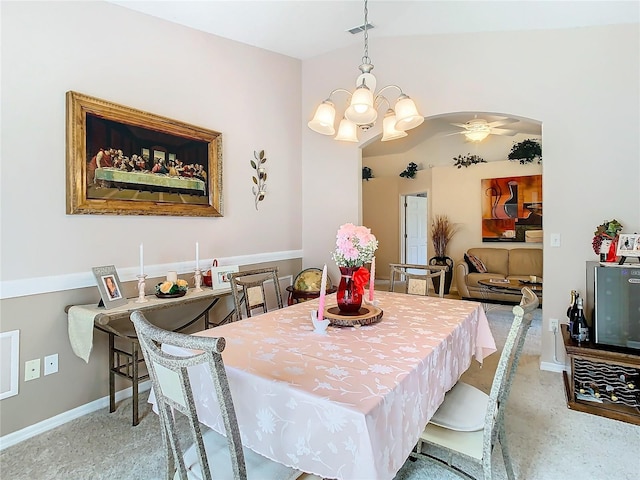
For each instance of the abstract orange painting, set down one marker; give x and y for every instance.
(512, 209)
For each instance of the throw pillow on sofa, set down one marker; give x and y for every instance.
(471, 266)
(475, 264)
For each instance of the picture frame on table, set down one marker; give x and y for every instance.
(220, 276)
(628, 245)
(109, 286)
(125, 161)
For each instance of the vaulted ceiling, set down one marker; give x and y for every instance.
(306, 28)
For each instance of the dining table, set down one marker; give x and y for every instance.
(349, 403)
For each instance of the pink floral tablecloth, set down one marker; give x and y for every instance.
(350, 404)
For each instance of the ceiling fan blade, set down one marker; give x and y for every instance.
(461, 125)
(500, 131)
(499, 123)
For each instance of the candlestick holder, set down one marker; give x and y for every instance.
(198, 280)
(373, 302)
(319, 326)
(141, 285)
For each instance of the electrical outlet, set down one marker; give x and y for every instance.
(553, 325)
(51, 364)
(32, 370)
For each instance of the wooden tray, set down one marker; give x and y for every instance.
(367, 315)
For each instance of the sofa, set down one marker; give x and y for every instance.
(501, 263)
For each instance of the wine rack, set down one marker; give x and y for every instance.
(601, 382)
(594, 384)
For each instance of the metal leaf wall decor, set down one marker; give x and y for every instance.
(260, 187)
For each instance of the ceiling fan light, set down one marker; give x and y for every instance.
(389, 131)
(347, 131)
(477, 135)
(407, 116)
(324, 119)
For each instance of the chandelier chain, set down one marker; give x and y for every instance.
(366, 58)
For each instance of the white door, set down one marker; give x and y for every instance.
(415, 240)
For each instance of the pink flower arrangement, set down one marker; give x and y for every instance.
(355, 246)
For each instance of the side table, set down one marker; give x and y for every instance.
(125, 359)
(597, 372)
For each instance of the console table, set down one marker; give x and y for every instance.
(596, 372)
(115, 322)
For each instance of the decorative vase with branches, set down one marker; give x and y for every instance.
(442, 231)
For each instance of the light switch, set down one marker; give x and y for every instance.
(555, 240)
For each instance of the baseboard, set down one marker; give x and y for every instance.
(62, 418)
(552, 367)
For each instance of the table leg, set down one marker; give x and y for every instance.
(134, 382)
(112, 375)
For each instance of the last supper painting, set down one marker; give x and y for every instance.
(126, 161)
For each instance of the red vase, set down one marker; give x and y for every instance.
(349, 298)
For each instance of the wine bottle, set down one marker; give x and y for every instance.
(631, 381)
(612, 393)
(579, 328)
(596, 390)
(571, 309)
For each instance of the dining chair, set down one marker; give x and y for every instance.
(211, 455)
(417, 283)
(248, 290)
(469, 422)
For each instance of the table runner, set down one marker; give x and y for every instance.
(351, 404)
(81, 318)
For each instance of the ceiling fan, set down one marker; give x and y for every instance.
(478, 129)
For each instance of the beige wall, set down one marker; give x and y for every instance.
(250, 95)
(450, 191)
(582, 84)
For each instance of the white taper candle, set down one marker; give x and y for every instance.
(323, 288)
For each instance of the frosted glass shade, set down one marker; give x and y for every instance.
(361, 111)
(389, 131)
(407, 116)
(324, 119)
(477, 135)
(347, 131)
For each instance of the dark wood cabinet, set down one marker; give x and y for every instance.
(594, 384)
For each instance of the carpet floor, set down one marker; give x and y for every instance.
(547, 441)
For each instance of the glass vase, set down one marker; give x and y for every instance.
(349, 298)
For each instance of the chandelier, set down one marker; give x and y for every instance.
(362, 110)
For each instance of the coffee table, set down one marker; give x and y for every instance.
(510, 286)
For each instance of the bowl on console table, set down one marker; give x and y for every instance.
(169, 289)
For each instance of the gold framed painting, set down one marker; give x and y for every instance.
(123, 161)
